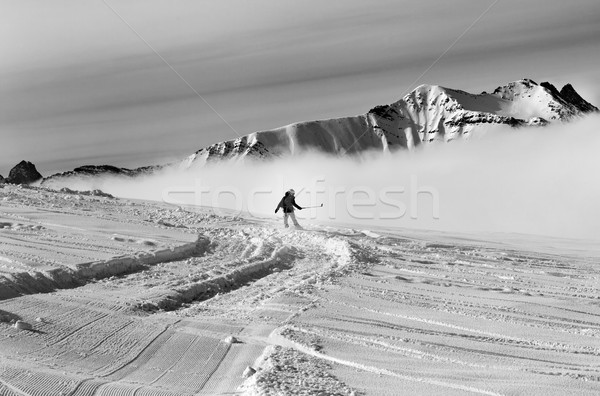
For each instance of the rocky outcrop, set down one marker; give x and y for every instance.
(23, 173)
(89, 172)
(101, 169)
(551, 88)
(571, 96)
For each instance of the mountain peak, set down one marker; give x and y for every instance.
(551, 88)
(515, 88)
(428, 87)
(427, 114)
(527, 81)
(571, 96)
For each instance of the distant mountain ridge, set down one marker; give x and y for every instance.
(428, 114)
(89, 172)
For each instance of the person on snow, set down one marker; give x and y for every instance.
(288, 203)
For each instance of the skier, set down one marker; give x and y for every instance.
(287, 203)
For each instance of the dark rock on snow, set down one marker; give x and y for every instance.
(23, 173)
(571, 96)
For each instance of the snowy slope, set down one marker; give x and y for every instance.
(132, 297)
(427, 114)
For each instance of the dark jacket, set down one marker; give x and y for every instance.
(287, 203)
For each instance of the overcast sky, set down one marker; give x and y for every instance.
(81, 85)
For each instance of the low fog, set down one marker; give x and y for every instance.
(530, 180)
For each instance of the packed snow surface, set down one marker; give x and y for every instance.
(106, 296)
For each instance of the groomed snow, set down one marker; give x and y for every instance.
(134, 297)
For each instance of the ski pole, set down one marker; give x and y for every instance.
(308, 207)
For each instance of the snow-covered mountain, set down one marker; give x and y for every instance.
(427, 114)
(87, 174)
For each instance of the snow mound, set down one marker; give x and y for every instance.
(20, 325)
(288, 371)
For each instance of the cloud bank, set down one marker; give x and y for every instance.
(531, 180)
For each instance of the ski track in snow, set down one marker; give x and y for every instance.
(138, 298)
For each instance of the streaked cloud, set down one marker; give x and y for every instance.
(80, 84)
